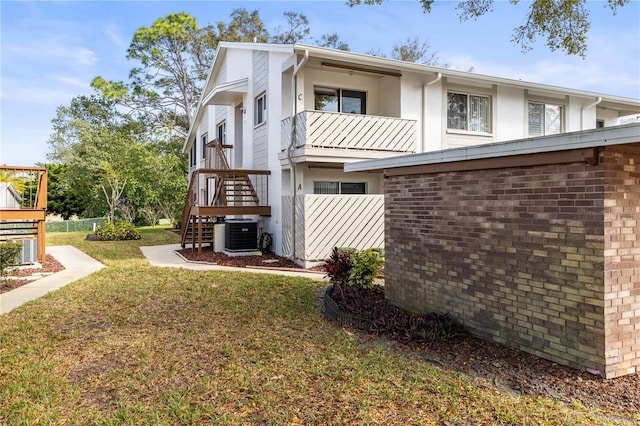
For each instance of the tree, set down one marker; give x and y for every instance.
(63, 198)
(297, 29)
(563, 23)
(103, 151)
(175, 55)
(415, 50)
(244, 26)
(332, 41)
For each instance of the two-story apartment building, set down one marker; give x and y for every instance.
(276, 124)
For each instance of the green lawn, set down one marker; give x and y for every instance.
(138, 345)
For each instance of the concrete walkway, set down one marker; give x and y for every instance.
(166, 257)
(77, 265)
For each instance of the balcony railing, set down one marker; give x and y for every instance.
(319, 129)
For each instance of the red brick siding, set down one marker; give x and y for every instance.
(516, 255)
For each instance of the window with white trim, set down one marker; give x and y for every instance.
(192, 154)
(260, 109)
(221, 131)
(545, 119)
(468, 112)
(204, 138)
(335, 188)
(339, 100)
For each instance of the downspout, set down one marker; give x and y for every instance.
(598, 100)
(292, 166)
(424, 110)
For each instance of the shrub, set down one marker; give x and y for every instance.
(121, 230)
(9, 255)
(338, 267)
(365, 268)
(349, 267)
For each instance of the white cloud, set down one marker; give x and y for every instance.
(56, 49)
(114, 33)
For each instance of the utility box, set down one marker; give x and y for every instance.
(241, 235)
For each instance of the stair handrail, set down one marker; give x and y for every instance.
(186, 212)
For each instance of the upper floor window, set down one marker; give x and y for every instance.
(192, 154)
(260, 109)
(468, 112)
(322, 187)
(545, 119)
(340, 100)
(221, 130)
(599, 124)
(204, 139)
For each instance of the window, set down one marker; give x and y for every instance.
(599, 124)
(340, 100)
(192, 154)
(221, 131)
(339, 187)
(204, 145)
(544, 119)
(261, 109)
(468, 112)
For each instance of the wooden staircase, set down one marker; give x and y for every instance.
(218, 191)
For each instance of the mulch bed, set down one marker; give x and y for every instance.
(244, 261)
(494, 366)
(27, 274)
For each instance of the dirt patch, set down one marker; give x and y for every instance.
(18, 277)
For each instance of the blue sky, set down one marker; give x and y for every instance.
(51, 50)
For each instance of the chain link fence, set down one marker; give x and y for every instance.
(75, 225)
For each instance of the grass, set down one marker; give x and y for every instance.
(138, 345)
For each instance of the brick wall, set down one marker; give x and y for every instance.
(543, 258)
(622, 264)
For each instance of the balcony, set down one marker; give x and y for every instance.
(338, 137)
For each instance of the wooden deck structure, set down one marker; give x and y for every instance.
(23, 205)
(217, 191)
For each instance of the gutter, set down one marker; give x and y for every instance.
(591, 105)
(424, 109)
(292, 166)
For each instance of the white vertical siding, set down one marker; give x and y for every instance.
(260, 149)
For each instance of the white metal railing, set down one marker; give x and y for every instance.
(320, 129)
(327, 221)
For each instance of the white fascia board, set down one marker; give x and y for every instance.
(225, 93)
(576, 140)
(375, 61)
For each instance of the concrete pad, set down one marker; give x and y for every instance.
(166, 257)
(77, 265)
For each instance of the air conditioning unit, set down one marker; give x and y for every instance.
(29, 251)
(241, 235)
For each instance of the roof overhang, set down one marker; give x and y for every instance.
(585, 139)
(227, 93)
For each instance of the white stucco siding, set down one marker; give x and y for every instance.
(342, 80)
(411, 103)
(510, 114)
(374, 180)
